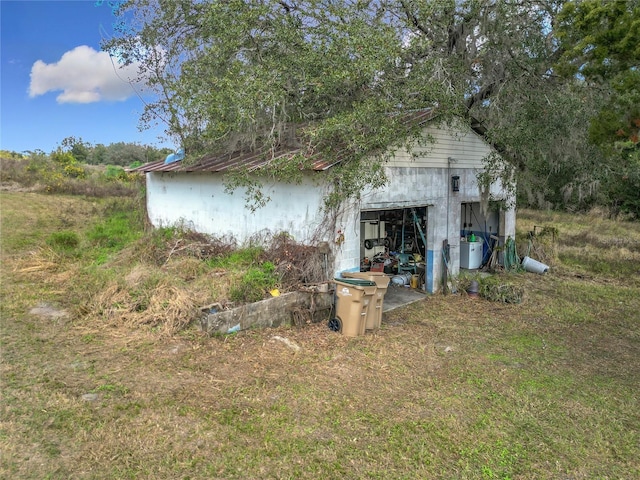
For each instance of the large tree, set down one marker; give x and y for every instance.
(236, 74)
(601, 41)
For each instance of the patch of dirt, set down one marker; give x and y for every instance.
(48, 311)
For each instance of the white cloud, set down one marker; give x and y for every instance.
(84, 76)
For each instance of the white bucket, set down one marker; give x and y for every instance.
(534, 266)
(401, 279)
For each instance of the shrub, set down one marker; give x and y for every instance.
(114, 173)
(255, 283)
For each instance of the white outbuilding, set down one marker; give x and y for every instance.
(431, 207)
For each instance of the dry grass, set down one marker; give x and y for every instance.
(590, 246)
(451, 387)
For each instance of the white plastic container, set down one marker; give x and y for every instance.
(534, 266)
(470, 255)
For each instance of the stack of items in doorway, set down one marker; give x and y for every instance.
(393, 241)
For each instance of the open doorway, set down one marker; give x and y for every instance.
(394, 241)
(478, 235)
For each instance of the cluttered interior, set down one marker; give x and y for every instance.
(394, 242)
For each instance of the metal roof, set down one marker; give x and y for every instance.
(225, 162)
(255, 160)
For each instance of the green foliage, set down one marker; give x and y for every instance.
(11, 154)
(37, 163)
(64, 240)
(237, 75)
(60, 173)
(119, 153)
(68, 166)
(601, 41)
(97, 155)
(114, 232)
(117, 174)
(121, 226)
(328, 76)
(238, 259)
(601, 38)
(255, 283)
(62, 158)
(123, 154)
(77, 148)
(74, 170)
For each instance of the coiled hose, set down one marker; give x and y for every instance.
(511, 259)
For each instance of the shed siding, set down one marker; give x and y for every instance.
(199, 201)
(413, 187)
(464, 147)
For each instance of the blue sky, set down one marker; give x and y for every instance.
(56, 82)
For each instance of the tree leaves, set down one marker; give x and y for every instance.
(235, 75)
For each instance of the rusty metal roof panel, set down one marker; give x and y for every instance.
(417, 117)
(256, 160)
(225, 162)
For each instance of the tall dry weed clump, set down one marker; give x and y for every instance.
(541, 244)
(298, 264)
(144, 297)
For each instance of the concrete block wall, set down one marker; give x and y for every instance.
(414, 186)
(272, 312)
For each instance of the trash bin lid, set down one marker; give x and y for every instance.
(356, 282)
(379, 278)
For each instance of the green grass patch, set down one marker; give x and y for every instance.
(64, 240)
(120, 227)
(238, 259)
(254, 284)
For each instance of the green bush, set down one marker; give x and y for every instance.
(255, 283)
(67, 164)
(114, 173)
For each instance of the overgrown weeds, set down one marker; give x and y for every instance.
(103, 380)
(64, 240)
(503, 287)
(590, 246)
(158, 278)
(43, 174)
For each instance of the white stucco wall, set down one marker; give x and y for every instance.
(199, 201)
(415, 187)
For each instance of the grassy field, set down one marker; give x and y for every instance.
(452, 387)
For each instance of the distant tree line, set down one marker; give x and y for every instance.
(77, 167)
(120, 153)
